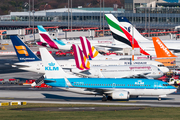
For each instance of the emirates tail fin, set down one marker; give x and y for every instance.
(81, 61)
(161, 49)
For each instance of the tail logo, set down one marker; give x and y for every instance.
(128, 29)
(51, 67)
(51, 64)
(22, 50)
(163, 47)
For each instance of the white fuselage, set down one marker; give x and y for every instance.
(122, 71)
(37, 66)
(134, 92)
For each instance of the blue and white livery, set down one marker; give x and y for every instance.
(109, 88)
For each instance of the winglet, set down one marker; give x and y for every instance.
(23, 52)
(81, 61)
(88, 49)
(161, 49)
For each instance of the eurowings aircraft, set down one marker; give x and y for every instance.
(109, 88)
(124, 31)
(121, 71)
(47, 41)
(35, 64)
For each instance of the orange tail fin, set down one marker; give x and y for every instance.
(161, 49)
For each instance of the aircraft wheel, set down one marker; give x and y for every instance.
(104, 98)
(159, 99)
(109, 98)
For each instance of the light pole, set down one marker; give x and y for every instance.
(71, 15)
(103, 17)
(33, 19)
(100, 14)
(68, 14)
(29, 14)
(132, 43)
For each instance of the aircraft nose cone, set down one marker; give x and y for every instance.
(165, 70)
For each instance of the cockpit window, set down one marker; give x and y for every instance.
(159, 69)
(160, 65)
(167, 85)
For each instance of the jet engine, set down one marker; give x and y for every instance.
(120, 95)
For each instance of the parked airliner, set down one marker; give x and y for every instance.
(124, 31)
(109, 88)
(121, 71)
(90, 51)
(29, 61)
(47, 41)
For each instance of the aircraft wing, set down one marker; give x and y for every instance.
(86, 73)
(100, 91)
(142, 75)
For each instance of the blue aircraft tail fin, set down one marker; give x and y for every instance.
(23, 52)
(123, 19)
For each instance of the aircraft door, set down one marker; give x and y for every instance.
(114, 85)
(38, 67)
(156, 85)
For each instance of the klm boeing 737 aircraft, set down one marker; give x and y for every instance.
(109, 88)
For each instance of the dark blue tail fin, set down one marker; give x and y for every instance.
(123, 19)
(23, 52)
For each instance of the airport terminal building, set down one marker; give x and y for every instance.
(145, 15)
(152, 14)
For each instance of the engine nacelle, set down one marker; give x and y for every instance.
(120, 95)
(44, 44)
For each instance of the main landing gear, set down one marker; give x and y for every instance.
(105, 98)
(159, 99)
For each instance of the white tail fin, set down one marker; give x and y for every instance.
(52, 68)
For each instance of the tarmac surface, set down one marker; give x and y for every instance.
(79, 108)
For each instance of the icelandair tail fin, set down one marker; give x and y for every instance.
(81, 61)
(121, 34)
(128, 26)
(23, 52)
(88, 49)
(161, 49)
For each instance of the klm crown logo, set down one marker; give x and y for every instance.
(121, 94)
(51, 64)
(51, 67)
